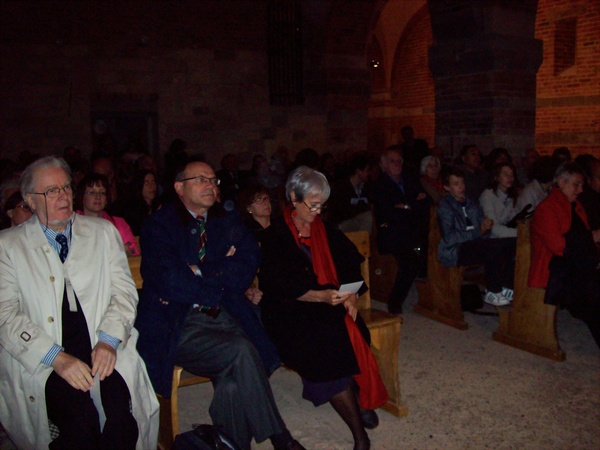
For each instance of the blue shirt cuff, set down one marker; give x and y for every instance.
(51, 355)
(108, 339)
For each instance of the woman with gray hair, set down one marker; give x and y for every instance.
(564, 257)
(313, 322)
(431, 179)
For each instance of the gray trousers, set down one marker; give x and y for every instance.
(243, 404)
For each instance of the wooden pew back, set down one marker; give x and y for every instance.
(529, 324)
(439, 294)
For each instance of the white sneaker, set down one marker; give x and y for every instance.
(508, 294)
(496, 299)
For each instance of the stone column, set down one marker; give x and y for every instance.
(484, 61)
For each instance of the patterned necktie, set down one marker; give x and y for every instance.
(202, 231)
(64, 246)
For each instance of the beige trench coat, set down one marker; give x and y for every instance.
(31, 295)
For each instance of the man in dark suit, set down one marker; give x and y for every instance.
(400, 207)
(195, 255)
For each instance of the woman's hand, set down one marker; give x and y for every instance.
(330, 296)
(350, 306)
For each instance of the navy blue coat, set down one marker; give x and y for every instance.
(169, 243)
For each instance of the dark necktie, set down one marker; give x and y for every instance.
(64, 246)
(202, 245)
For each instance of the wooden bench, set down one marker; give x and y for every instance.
(528, 324)
(385, 332)
(385, 339)
(439, 293)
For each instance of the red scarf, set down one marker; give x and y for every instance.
(319, 248)
(372, 392)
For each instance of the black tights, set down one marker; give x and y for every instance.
(346, 405)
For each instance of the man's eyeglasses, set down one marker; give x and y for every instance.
(315, 206)
(95, 193)
(55, 191)
(261, 200)
(199, 179)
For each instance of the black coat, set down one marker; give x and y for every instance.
(311, 338)
(399, 229)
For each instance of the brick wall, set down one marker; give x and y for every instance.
(200, 66)
(568, 95)
(411, 99)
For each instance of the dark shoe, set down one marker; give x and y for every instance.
(293, 445)
(369, 419)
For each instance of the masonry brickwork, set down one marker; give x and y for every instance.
(568, 102)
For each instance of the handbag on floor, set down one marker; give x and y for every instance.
(204, 437)
(470, 297)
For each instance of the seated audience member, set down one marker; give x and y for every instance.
(590, 197)
(498, 202)
(564, 259)
(401, 212)
(431, 179)
(16, 210)
(476, 177)
(465, 240)
(497, 156)
(328, 167)
(413, 150)
(7, 188)
(524, 169)
(69, 346)
(315, 325)
(231, 178)
(103, 165)
(92, 198)
(349, 205)
(142, 200)
(197, 256)
(261, 175)
(255, 206)
(561, 155)
(542, 175)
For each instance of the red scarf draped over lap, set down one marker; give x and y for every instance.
(372, 392)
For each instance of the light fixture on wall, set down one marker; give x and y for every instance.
(374, 63)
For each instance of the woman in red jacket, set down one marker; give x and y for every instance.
(564, 259)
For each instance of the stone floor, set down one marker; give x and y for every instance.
(463, 391)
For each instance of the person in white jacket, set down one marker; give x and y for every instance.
(542, 174)
(498, 202)
(68, 346)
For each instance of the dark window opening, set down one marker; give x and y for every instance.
(285, 52)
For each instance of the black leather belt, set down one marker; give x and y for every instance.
(210, 311)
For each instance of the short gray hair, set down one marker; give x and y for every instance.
(426, 160)
(27, 180)
(303, 181)
(566, 170)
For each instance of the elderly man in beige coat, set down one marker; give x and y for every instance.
(66, 327)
